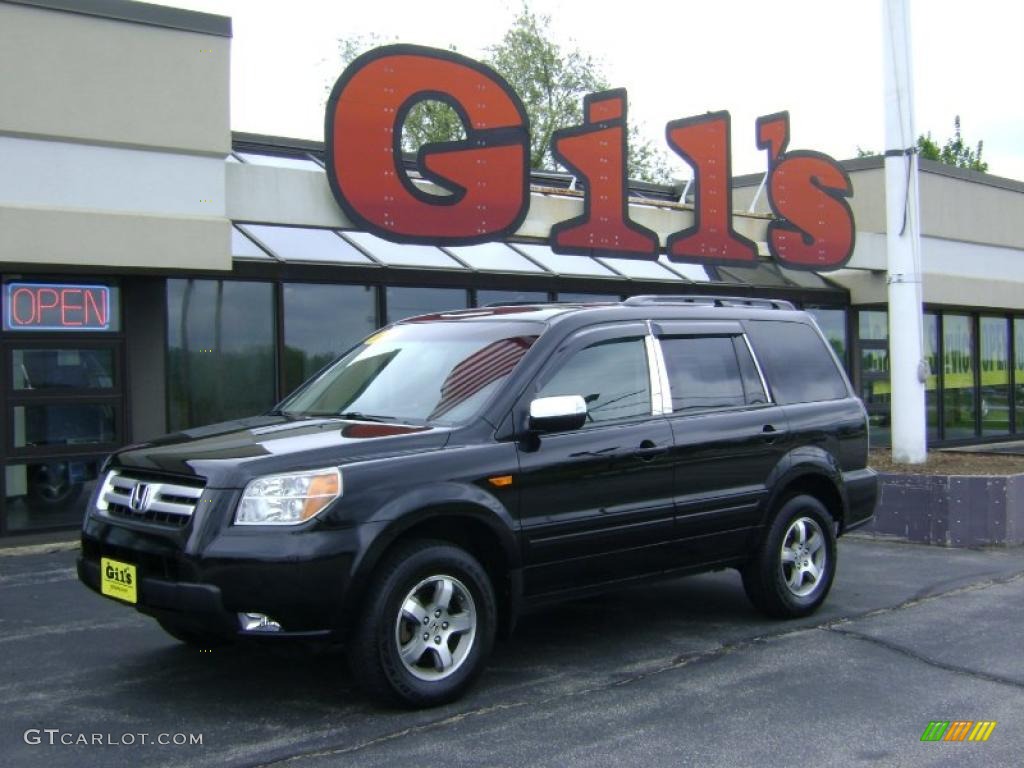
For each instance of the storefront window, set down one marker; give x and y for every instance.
(47, 494)
(1018, 357)
(833, 324)
(875, 361)
(875, 390)
(320, 323)
(408, 302)
(995, 376)
(58, 370)
(931, 386)
(220, 356)
(64, 424)
(483, 298)
(958, 370)
(873, 325)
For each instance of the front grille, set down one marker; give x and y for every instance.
(148, 500)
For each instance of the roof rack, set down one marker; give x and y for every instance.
(709, 301)
(515, 304)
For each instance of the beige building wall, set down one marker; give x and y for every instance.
(78, 77)
(114, 127)
(972, 209)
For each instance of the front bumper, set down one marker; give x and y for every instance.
(200, 603)
(298, 578)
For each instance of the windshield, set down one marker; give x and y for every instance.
(417, 373)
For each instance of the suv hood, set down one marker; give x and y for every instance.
(230, 453)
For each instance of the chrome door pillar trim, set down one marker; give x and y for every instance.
(661, 394)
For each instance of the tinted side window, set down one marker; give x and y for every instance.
(611, 376)
(796, 362)
(705, 372)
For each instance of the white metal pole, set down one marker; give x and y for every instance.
(907, 370)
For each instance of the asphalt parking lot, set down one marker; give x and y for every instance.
(674, 674)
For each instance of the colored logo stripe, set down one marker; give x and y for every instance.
(958, 730)
(982, 730)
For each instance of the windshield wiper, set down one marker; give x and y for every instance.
(357, 416)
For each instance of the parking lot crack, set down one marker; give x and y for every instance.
(384, 738)
(919, 600)
(912, 654)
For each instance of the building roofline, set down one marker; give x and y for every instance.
(877, 162)
(244, 141)
(965, 174)
(138, 13)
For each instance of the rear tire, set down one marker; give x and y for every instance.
(426, 628)
(792, 572)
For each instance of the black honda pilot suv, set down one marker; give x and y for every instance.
(417, 494)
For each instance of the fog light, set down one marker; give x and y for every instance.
(258, 622)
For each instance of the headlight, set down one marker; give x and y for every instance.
(288, 499)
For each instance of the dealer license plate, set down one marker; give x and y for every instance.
(119, 580)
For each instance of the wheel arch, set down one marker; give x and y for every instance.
(465, 524)
(818, 480)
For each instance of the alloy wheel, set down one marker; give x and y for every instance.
(435, 627)
(804, 556)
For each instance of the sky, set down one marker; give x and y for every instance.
(819, 59)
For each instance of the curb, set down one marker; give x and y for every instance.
(39, 549)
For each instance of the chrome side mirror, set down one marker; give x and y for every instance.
(562, 413)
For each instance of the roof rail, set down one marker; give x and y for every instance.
(514, 304)
(709, 301)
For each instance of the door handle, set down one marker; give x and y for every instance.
(770, 433)
(648, 449)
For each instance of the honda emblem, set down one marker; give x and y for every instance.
(139, 500)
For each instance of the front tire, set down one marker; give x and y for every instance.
(426, 628)
(792, 572)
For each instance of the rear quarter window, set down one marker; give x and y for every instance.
(797, 363)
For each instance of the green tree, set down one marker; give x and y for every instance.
(550, 80)
(955, 151)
